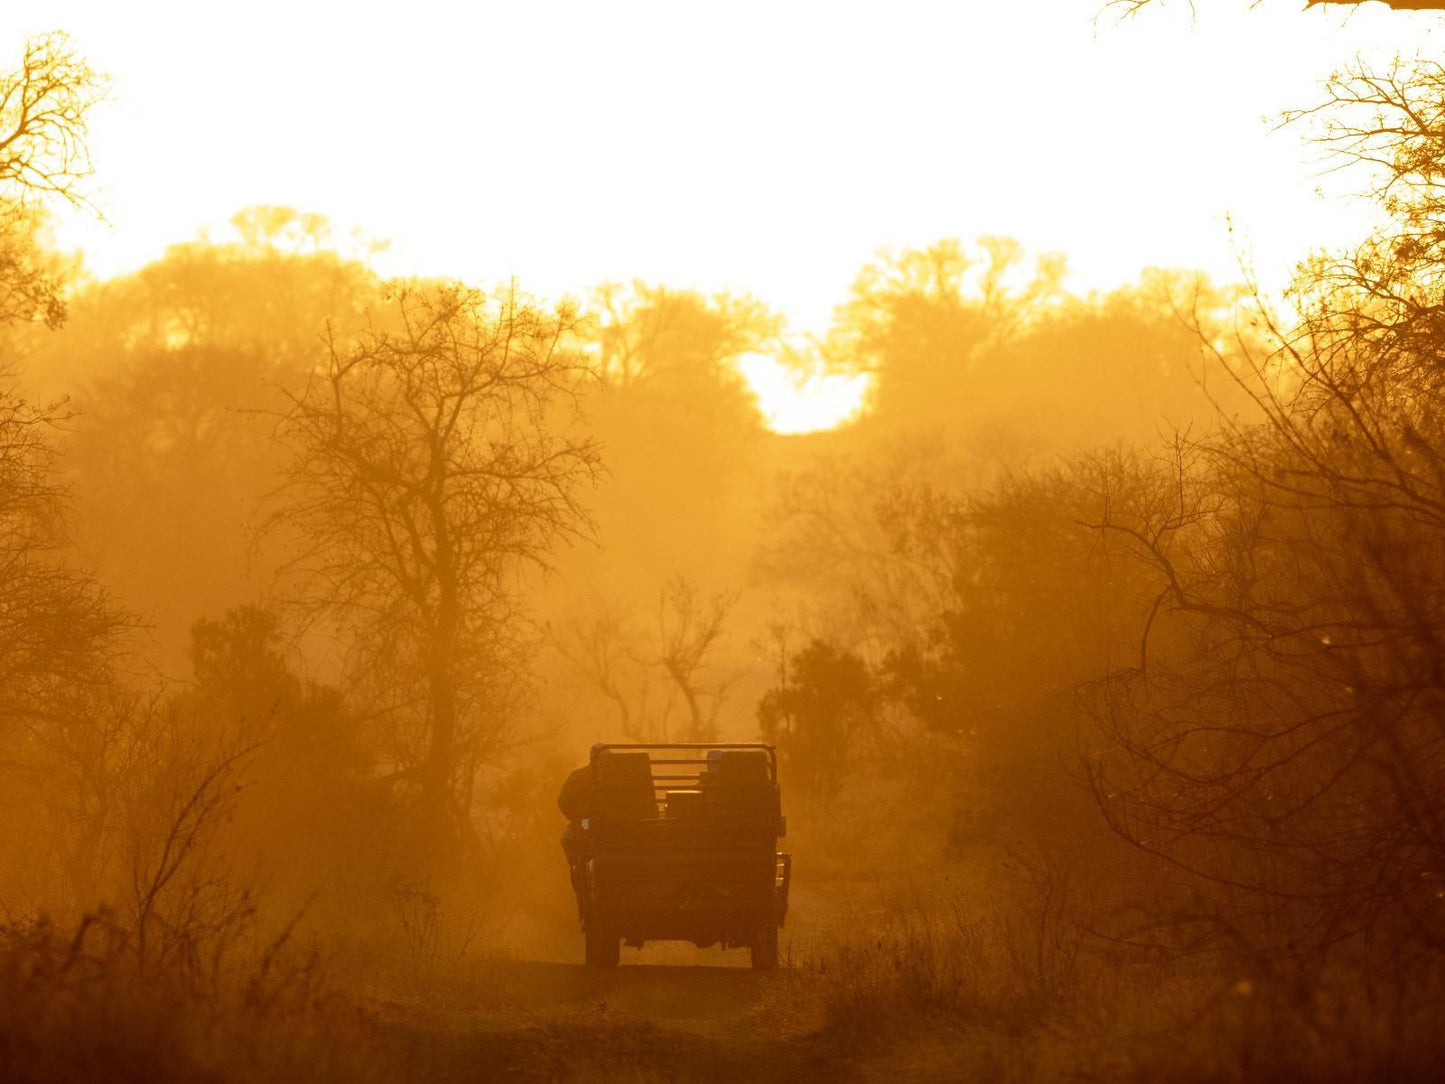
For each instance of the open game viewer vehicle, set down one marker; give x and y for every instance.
(681, 845)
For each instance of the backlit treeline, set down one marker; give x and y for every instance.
(1124, 609)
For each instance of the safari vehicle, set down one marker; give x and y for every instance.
(682, 846)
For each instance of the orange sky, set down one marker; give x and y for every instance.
(769, 147)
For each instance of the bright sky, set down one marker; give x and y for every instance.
(771, 147)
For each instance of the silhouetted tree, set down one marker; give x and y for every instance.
(1284, 742)
(432, 463)
(923, 321)
(688, 631)
(45, 104)
(818, 716)
(868, 541)
(603, 648)
(56, 622)
(676, 340)
(59, 629)
(643, 676)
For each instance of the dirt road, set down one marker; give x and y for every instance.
(534, 1021)
(671, 1012)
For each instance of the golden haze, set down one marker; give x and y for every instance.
(1020, 620)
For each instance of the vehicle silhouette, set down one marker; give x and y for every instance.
(678, 842)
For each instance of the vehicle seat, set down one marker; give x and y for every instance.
(624, 787)
(739, 789)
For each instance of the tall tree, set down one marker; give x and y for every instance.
(1287, 749)
(432, 460)
(59, 630)
(54, 620)
(824, 707)
(45, 104)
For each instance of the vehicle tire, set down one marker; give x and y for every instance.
(765, 947)
(604, 945)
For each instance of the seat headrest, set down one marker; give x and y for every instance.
(621, 768)
(624, 785)
(741, 767)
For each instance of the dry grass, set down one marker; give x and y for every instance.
(939, 986)
(80, 1004)
(923, 982)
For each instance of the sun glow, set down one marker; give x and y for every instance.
(793, 234)
(794, 401)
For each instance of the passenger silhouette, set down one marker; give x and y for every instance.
(576, 801)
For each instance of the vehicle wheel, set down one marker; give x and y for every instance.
(765, 947)
(604, 945)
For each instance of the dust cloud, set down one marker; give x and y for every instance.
(1101, 651)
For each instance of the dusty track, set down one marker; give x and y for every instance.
(537, 1020)
(671, 1012)
(656, 991)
